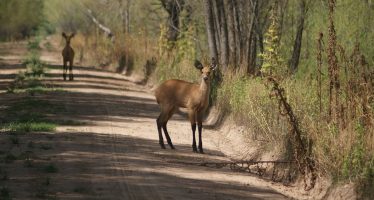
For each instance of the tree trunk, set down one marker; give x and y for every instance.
(209, 22)
(216, 18)
(260, 39)
(173, 8)
(101, 27)
(251, 38)
(282, 5)
(231, 32)
(125, 14)
(239, 41)
(224, 36)
(294, 62)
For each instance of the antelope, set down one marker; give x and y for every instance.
(68, 56)
(173, 94)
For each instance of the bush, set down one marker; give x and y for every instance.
(248, 101)
(33, 44)
(34, 66)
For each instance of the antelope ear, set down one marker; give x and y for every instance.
(72, 35)
(63, 34)
(198, 65)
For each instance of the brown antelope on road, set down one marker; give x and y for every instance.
(174, 93)
(68, 56)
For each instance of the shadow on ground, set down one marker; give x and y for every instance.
(73, 164)
(90, 165)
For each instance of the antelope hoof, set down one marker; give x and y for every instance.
(201, 151)
(194, 149)
(64, 77)
(172, 147)
(162, 146)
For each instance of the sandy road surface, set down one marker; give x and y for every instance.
(111, 150)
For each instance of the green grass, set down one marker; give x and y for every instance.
(42, 89)
(30, 127)
(29, 115)
(31, 77)
(48, 46)
(5, 193)
(45, 147)
(81, 190)
(9, 158)
(32, 58)
(28, 163)
(50, 168)
(14, 139)
(33, 104)
(47, 181)
(70, 122)
(30, 145)
(34, 44)
(4, 176)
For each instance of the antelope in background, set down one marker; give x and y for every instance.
(68, 56)
(174, 93)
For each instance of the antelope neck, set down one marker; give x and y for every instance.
(204, 88)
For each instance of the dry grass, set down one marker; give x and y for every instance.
(126, 54)
(344, 153)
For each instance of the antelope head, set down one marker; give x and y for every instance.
(206, 71)
(68, 37)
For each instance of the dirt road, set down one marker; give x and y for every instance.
(108, 148)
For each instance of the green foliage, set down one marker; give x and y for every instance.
(272, 62)
(46, 147)
(5, 194)
(50, 168)
(176, 58)
(29, 80)
(34, 66)
(33, 44)
(35, 70)
(215, 85)
(164, 45)
(248, 101)
(186, 44)
(172, 69)
(352, 23)
(14, 139)
(81, 190)
(20, 18)
(9, 158)
(355, 163)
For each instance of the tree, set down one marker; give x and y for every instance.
(124, 6)
(173, 8)
(294, 62)
(222, 25)
(210, 30)
(251, 38)
(232, 34)
(20, 18)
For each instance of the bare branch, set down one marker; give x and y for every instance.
(102, 27)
